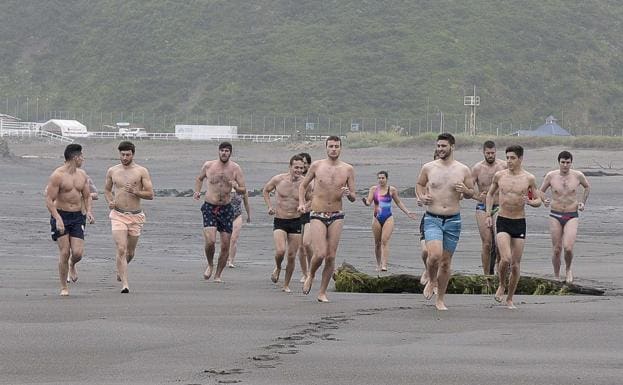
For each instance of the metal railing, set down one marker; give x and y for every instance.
(25, 133)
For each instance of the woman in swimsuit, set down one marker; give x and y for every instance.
(382, 196)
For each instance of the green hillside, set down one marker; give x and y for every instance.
(335, 58)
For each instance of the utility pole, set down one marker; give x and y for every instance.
(472, 101)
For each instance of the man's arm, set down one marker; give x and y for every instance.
(350, 192)
(93, 189)
(421, 191)
(148, 188)
(467, 186)
(199, 181)
(311, 174)
(587, 190)
(239, 178)
(51, 193)
(493, 189)
(481, 196)
(108, 190)
(536, 201)
(268, 188)
(87, 199)
(544, 186)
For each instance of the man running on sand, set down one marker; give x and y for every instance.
(131, 183)
(564, 218)
(67, 190)
(440, 186)
(287, 222)
(333, 180)
(516, 188)
(221, 175)
(482, 173)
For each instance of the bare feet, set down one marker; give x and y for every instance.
(569, 277)
(424, 278)
(384, 268)
(275, 275)
(499, 294)
(231, 265)
(322, 298)
(303, 278)
(428, 290)
(125, 290)
(64, 292)
(440, 305)
(308, 284)
(510, 305)
(208, 273)
(286, 289)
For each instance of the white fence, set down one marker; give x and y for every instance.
(9, 129)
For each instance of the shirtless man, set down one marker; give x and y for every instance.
(482, 173)
(333, 180)
(131, 183)
(221, 175)
(563, 221)
(305, 250)
(516, 188)
(440, 186)
(66, 191)
(287, 222)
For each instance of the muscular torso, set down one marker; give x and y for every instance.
(564, 191)
(441, 186)
(286, 195)
(328, 182)
(512, 189)
(483, 177)
(122, 176)
(219, 177)
(70, 190)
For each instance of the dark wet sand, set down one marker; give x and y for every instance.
(176, 328)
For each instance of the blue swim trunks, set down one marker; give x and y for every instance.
(219, 216)
(445, 228)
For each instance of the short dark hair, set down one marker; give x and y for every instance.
(295, 158)
(333, 138)
(517, 149)
(565, 155)
(384, 173)
(446, 136)
(488, 144)
(126, 146)
(306, 156)
(72, 150)
(226, 145)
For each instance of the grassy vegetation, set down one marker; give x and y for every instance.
(389, 139)
(341, 58)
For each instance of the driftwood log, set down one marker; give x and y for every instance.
(349, 279)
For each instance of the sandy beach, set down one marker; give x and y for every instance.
(176, 328)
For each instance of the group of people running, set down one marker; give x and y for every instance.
(309, 217)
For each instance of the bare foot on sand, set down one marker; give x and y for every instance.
(569, 277)
(440, 305)
(218, 280)
(322, 298)
(510, 305)
(428, 290)
(64, 292)
(424, 278)
(125, 290)
(286, 289)
(383, 268)
(499, 294)
(275, 275)
(231, 265)
(308, 284)
(303, 278)
(208, 273)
